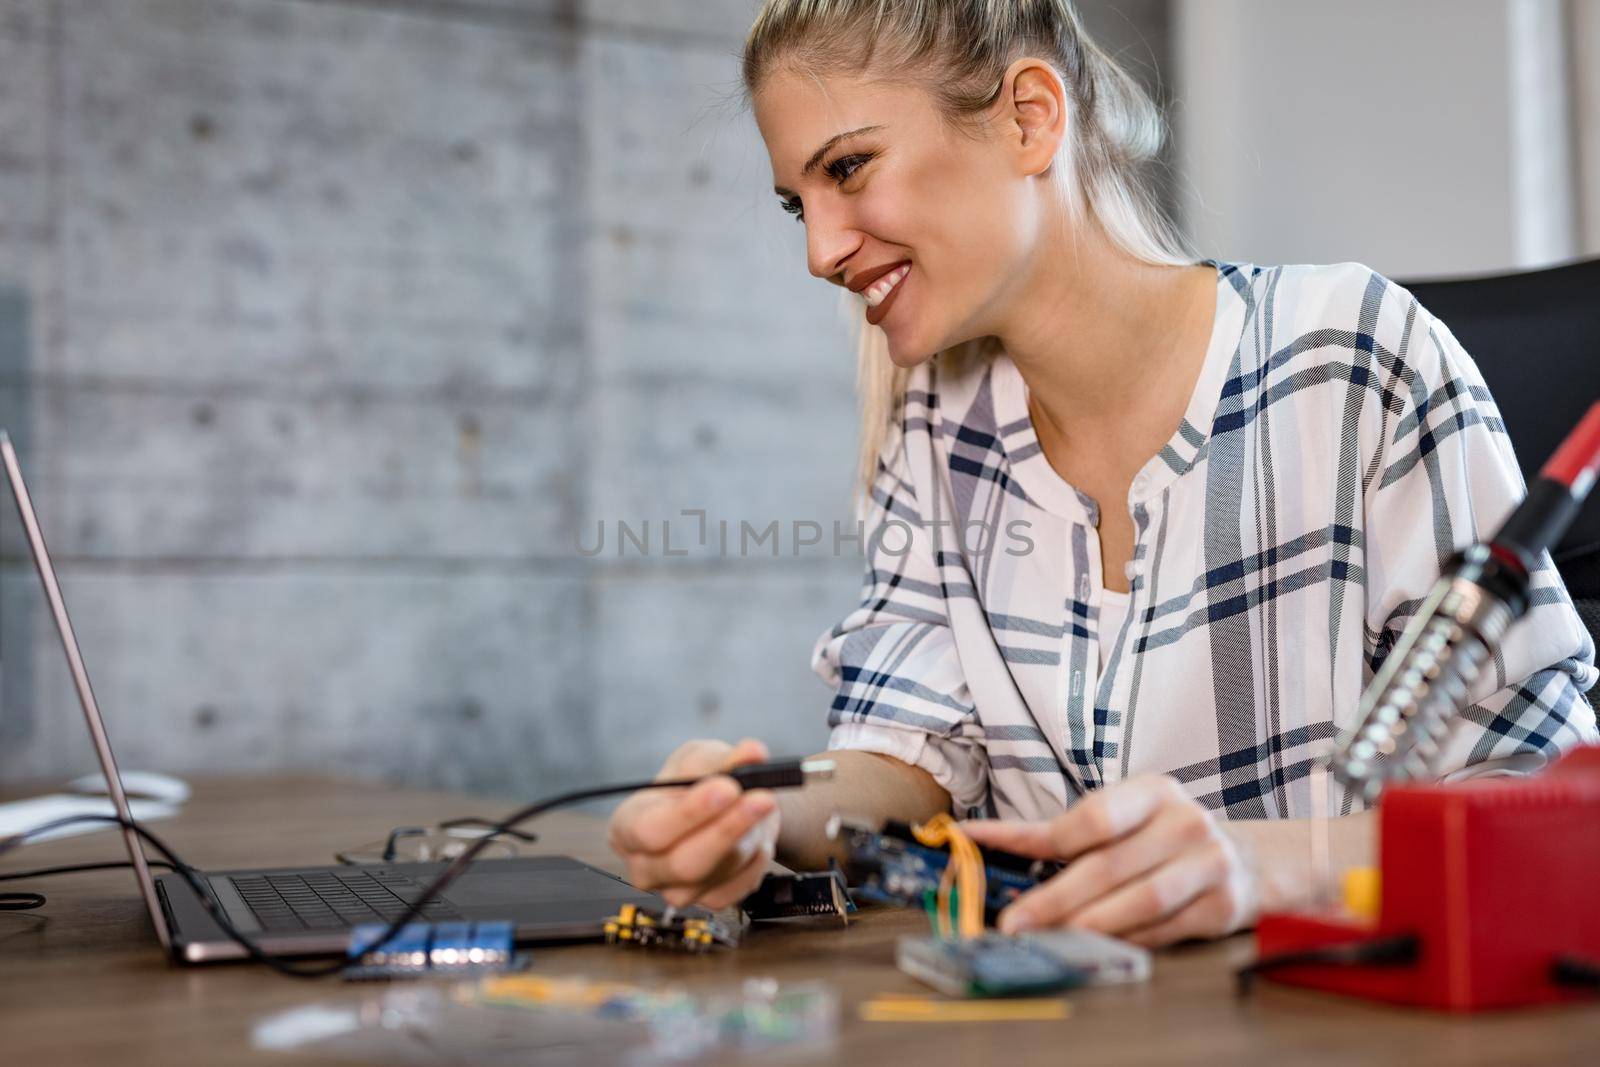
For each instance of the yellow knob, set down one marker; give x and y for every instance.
(1362, 892)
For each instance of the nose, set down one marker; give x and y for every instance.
(829, 242)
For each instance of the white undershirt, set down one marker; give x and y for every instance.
(1113, 610)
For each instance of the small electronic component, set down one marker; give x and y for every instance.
(758, 1015)
(997, 965)
(892, 866)
(783, 896)
(1109, 960)
(430, 949)
(990, 966)
(643, 928)
(902, 1008)
(617, 1000)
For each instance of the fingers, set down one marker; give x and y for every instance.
(1091, 877)
(1108, 814)
(1097, 819)
(700, 756)
(653, 822)
(745, 880)
(1206, 916)
(746, 751)
(1033, 839)
(708, 757)
(703, 841)
(698, 858)
(1147, 862)
(1149, 901)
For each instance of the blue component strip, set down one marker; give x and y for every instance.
(363, 938)
(451, 944)
(409, 948)
(412, 939)
(422, 947)
(496, 939)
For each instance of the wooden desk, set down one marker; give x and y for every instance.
(82, 980)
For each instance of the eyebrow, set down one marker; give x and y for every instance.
(816, 157)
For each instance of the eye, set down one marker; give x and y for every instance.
(842, 168)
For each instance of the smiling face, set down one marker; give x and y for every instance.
(932, 225)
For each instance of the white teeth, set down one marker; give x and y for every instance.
(874, 293)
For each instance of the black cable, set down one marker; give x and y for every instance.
(29, 901)
(780, 775)
(74, 868)
(1576, 972)
(488, 824)
(1378, 952)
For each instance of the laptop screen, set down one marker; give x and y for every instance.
(80, 681)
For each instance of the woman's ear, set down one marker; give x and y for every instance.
(1034, 113)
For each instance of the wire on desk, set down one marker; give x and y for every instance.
(73, 868)
(1576, 972)
(29, 901)
(1376, 952)
(786, 774)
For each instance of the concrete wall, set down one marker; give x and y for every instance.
(1423, 138)
(327, 329)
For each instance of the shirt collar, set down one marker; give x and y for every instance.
(1049, 490)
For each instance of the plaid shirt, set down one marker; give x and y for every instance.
(1339, 446)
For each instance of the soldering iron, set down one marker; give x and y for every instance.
(1406, 710)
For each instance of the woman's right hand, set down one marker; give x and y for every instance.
(708, 844)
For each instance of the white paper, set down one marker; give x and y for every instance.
(19, 815)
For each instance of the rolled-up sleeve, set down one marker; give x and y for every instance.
(893, 662)
(1446, 477)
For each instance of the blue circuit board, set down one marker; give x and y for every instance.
(890, 866)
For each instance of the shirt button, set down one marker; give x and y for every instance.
(1139, 484)
(1130, 570)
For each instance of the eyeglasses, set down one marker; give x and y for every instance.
(418, 844)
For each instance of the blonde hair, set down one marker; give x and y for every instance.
(959, 50)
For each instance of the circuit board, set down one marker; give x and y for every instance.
(643, 928)
(889, 865)
(990, 966)
(784, 896)
(996, 965)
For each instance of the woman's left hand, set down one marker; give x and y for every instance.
(1147, 863)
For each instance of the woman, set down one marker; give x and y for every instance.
(1213, 494)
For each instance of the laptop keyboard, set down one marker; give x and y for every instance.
(333, 900)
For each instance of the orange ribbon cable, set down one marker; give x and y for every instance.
(964, 873)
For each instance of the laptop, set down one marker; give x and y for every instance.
(308, 911)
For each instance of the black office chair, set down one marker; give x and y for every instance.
(1536, 337)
